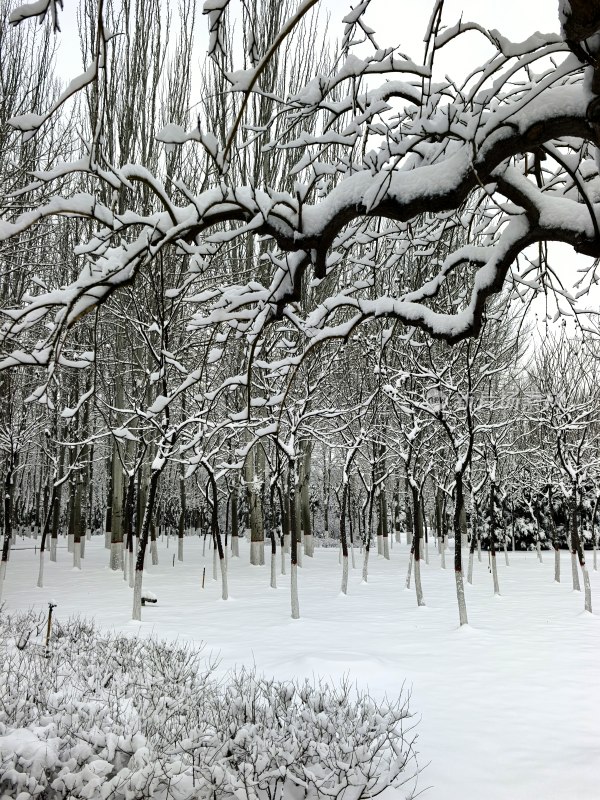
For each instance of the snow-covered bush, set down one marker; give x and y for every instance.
(107, 716)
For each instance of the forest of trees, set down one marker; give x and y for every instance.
(295, 309)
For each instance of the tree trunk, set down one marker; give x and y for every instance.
(108, 515)
(142, 544)
(116, 532)
(555, 542)
(474, 541)
(492, 551)
(417, 544)
(76, 522)
(594, 541)
(8, 512)
(397, 525)
(577, 546)
(384, 523)
(255, 511)
(343, 540)
(56, 511)
(304, 498)
(326, 485)
(408, 513)
(368, 535)
(574, 536)
(182, 514)
(45, 532)
(459, 503)
(293, 541)
(235, 532)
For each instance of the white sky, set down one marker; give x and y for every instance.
(404, 22)
(396, 22)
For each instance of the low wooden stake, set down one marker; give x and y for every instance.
(49, 628)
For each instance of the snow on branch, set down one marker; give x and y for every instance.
(355, 202)
(38, 9)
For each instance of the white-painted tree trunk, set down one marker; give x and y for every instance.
(427, 552)
(442, 553)
(154, 552)
(539, 552)
(379, 545)
(82, 546)
(587, 589)
(273, 570)
(386, 547)
(495, 573)
(257, 553)
(137, 596)
(235, 546)
(353, 556)
(40, 580)
(224, 586)
(365, 569)
(294, 592)
(2, 577)
(131, 567)
(180, 548)
(52, 549)
(215, 559)
(76, 555)
(575, 573)
(116, 556)
(70, 538)
(479, 550)
(345, 575)
(470, 570)
(506, 552)
(408, 574)
(418, 585)
(282, 551)
(309, 545)
(557, 564)
(460, 595)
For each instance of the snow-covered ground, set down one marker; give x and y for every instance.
(509, 706)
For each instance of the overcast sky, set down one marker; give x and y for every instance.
(396, 22)
(404, 22)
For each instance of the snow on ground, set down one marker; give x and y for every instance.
(509, 706)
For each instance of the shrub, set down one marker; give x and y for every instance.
(109, 716)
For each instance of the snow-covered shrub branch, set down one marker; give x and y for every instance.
(107, 716)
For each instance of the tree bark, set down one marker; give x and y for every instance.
(293, 541)
(304, 498)
(142, 544)
(493, 565)
(343, 540)
(417, 544)
(459, 503)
